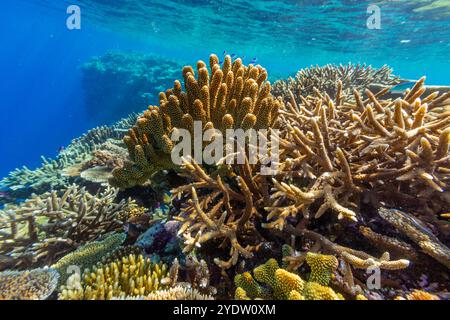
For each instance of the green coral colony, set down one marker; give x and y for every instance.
(362, 184)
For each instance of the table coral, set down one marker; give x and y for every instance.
(130, 276)
(37, 284)
(272, 282)
(224, 97)
(42, 229)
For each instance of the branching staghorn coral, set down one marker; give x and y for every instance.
(130, 276)
(88, 255)
(37, 284)
(22, 182)
(225, 97)
(44, 228)
(353, 77)
(272, 282)
(341, 149)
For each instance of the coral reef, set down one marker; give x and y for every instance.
(118, 83)
(272, 282)
(324, 79)
(37, 284)
(232, 96)
(88, 255)
(178, 293)
(23, 182)
(43, 228)
(340, 150)
(130, 276)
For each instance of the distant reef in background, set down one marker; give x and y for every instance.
(118, 83)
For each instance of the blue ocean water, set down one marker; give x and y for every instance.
(41, 91)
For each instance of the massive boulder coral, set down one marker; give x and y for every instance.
(37, 284)
(44, 228)
(226, 97)
(353, 77)
(335, 150)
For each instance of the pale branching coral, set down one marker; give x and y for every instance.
(87, 255)
(127, 277)
(223, 97)
(37, 284)
(43, 228)
(353, 77)
(272, 282)
(22, 182)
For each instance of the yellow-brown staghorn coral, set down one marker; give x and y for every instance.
(272, 282)
(37, 284)
(223, 97)
(127, 277)
(87, 255)
(353, 77)
(335, 150)
(44, 228)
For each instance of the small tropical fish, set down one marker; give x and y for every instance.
(254, 60)
(61, 149)
(233, 55)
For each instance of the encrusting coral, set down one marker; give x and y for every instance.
(353, 77)
(226, 97)
(391, 150)
(272, 282)
(44, 228)
(130, 276)
(37, 284)
(88, 255)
